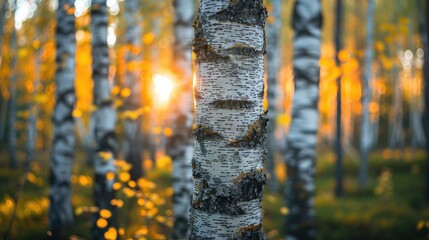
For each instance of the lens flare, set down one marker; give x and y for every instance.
(163, 88)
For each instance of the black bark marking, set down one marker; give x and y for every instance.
(255, 135)
(232, 104)
(244, 50)
(203, 133)
(223, 199)
(199, 173)
(262, 93)
(251, 232)
(244, 12)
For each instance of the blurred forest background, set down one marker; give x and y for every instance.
(391, 205)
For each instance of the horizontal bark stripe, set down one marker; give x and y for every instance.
(232, 104)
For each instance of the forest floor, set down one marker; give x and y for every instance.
(391, 207)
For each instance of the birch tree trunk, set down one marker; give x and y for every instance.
(5, 101)
(104, 118)
(230, 129)
(365, 141)
(60, 213)
(338, 131)
(179, 145)
(424, 31)
(32, 131)
(12, 100)
(302, 137)
(273, 67)
(132, 126)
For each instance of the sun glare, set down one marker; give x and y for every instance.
(163, 87)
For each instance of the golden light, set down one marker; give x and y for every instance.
(163, 87)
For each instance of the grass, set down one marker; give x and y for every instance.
(391, 207)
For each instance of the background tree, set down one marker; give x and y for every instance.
(104, 122)
(13, 162)
(365, 143)
(230, 124)
(338, 125)
(133, 103)
(424, 32)
(5, 101)
(301, 153)
(273, 67)
(180, 145)
(60, 214)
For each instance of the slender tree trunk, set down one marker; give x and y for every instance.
(12, 100)
(302, 137)
(31, 134)
(104, 119)
(5, 101)
(60, 213)
(424, 31)
(230, 128)
(426, 101)
(2, 22)
(365, 141)
(338, 133)
(132, 126)
(180, 145)
(396, 117)
(273, 67)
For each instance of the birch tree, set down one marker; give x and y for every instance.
(179, 145)
(424, 31)
(273, 67)
(230, 126)
(5, 101)
(301, 153)
(60, 213)
(338, 130)
(133, 103)
(12, 98)
(104, 119)
(365, 141)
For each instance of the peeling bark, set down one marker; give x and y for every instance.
(60, 214)
(301, 154)
(179, 145)
(230, 124)
(132, 127)
(273, 68)
(104, 118)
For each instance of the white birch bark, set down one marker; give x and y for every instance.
(273, 67)
(339, 103)
(365, 141)
(12, 100)
(230, 129)
(5, 102)
(32, 131)
(424, 32)
(60, 213)
(104, 117)
(302, 137)
(180, 145)
(132, 127)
